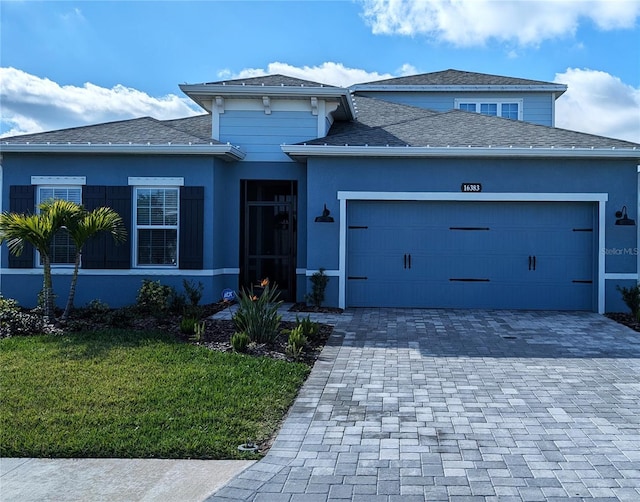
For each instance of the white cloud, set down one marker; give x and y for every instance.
(598, 103)
(33, 104)
(595, 102)
(327, 73)
(474, 22)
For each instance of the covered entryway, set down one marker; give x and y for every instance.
(472, 254)
(268, 234)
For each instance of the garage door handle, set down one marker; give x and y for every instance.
(529, 262)
(405, 261)
(409, 261)
(534, 263)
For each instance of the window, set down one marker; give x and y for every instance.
(156, 214)
(489, 109)
(63, 251)
(508, 110)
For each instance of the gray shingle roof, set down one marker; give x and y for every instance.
(456, 77)
(381, 123)
(276, 80)
(144, 130)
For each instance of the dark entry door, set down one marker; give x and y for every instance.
(268, 236)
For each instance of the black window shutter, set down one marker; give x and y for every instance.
(191, 227)
(93, 255)
(22, 200)
(101, 252)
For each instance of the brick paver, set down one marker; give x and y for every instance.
(410, 404)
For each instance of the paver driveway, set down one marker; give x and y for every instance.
(434, 405)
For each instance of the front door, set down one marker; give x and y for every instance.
(268, 234)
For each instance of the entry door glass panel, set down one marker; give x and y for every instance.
(268, 237)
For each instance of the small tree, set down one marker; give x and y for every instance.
(631, 297)
(319, 282)
(38, 230)
(82, 225)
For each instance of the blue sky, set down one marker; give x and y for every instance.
(69, 63)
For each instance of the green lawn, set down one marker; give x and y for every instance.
(131, 394)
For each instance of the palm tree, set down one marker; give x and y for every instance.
(37, 230)
(81, 226)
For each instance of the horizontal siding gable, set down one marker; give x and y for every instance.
(260, 135)
(537, 107)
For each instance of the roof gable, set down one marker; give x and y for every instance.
(276, 80)
(381, 123)
(456, 77)
(144, 130)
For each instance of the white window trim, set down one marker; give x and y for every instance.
(136, 227)
(458, 101)
(152, 182)
(59, 180)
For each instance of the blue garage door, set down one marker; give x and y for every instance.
(494, 255)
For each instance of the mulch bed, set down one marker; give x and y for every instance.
(626, 319)
(217, 333)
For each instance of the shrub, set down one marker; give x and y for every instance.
(96, 310)
(296, 342)
(154, 297)
(122, 318)
(194, 293)
(188, 325)
(310, 329)
(257, 316)
(240, 341)
(13, 321)
(631, 297)
(97, 307)
(319, 284)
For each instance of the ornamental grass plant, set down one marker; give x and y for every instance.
(257, 315)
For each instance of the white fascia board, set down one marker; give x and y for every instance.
(226, 152)
(262, 90)
(456, 151)
(202, 92)
(558, 88)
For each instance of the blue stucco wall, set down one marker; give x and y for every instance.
(537, 107)
(318, 184)
(221, 181)
(617, 178)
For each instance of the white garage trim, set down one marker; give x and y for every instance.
(344, 196)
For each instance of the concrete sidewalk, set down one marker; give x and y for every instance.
(114, 480)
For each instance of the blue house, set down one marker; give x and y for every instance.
(447, 190)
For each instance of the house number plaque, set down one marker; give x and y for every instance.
(471, 187)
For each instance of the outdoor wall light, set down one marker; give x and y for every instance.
(622, 218)
(325, 218)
